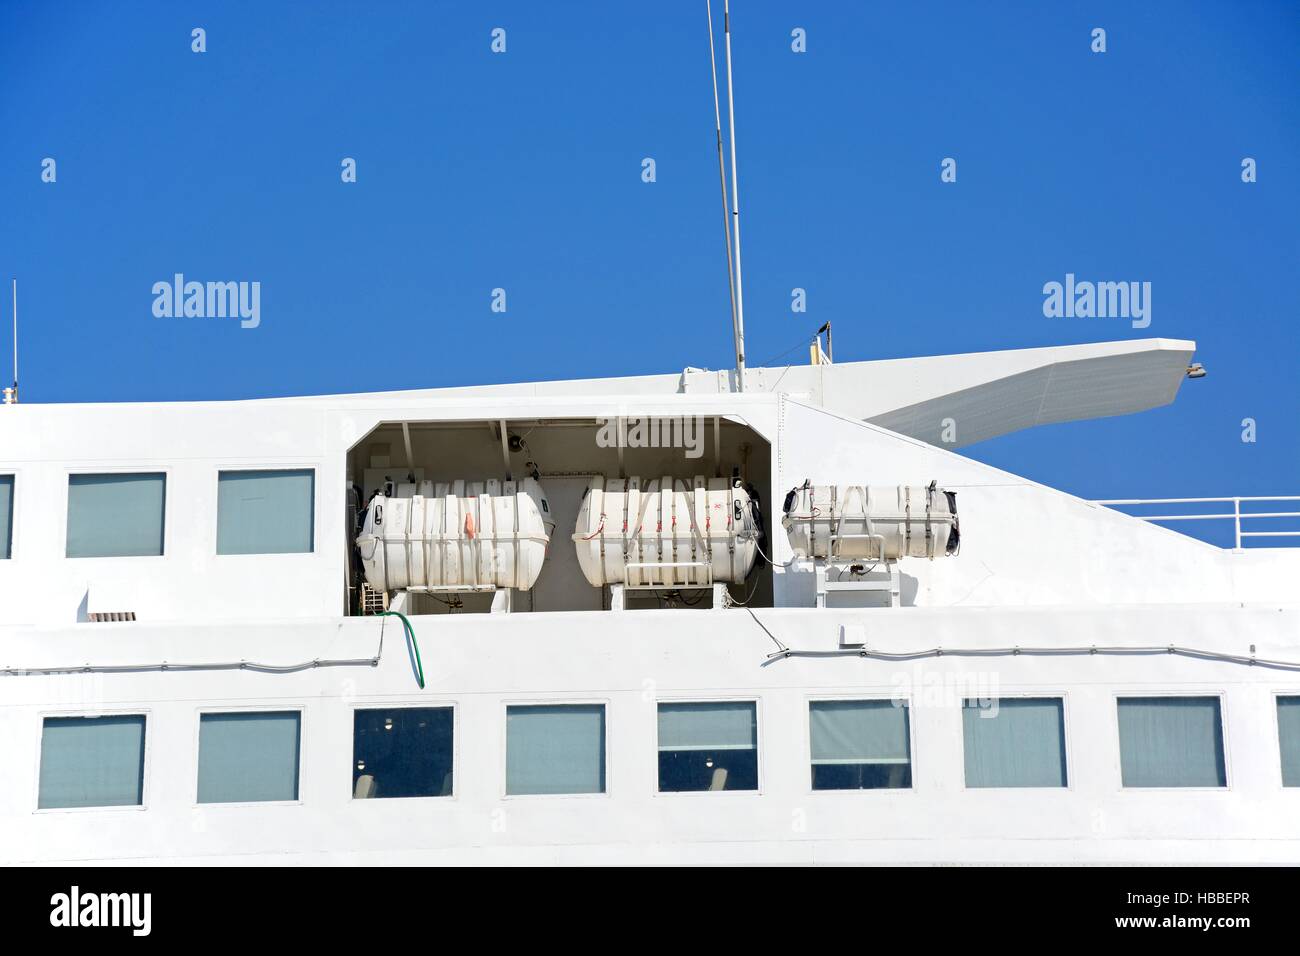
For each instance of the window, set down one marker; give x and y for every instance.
(265, 512)
(859, 745)
(708, 746)
(92, 762)
(1171, 742)
(1288, 731)
(555, 749)
(115, 516)
(1014, 742)
(402, 752)
(249, 757)
(6, 515)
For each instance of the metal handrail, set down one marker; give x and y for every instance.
(1236, 516)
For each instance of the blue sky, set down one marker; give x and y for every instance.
(522, 171)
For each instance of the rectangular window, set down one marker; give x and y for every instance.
(708, 746)
(115, 516)
(859, 745)
(1288, 730)
(1171, 742)
(249, 757)
(1014, 742)
(265, 512)
(402, 752)
(555, 749)
(6, 515)
(92, 762)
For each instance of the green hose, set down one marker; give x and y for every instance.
(415, 645)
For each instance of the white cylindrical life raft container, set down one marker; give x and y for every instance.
(871, 523)
(669, 532)
(461, 535)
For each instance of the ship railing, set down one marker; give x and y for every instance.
(1236, 516)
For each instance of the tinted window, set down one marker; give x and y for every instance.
(708, 746)
(859, 744)
(402, 752)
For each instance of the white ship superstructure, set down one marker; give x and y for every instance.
(632, 649)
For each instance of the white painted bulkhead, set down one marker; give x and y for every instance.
(1037, 569)
(480, 663)
(1023, 543)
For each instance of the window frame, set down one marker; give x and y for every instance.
(1066, 750)
(811, 699)
(145, 712)
(1277, 737)
(1220, 695)
(418, 703)
(221, 468)
(199, 712)
(504, 760)
(758, 745)
(8, 471)
(95, 469)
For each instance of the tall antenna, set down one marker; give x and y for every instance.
(726, 211)
(735, 206)
(11, 394)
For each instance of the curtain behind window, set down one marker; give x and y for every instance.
(1020, 742)
(858, 731)
(249, 757)
(1171, 742)
(1288, 728)
(723, 725)
(6, 515)
(92, 761)
(114, 516)
(265, 512)
(555, 749)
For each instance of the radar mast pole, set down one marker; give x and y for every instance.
(726, 211)
(735, 205)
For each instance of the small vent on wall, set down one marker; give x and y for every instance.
(101, 617)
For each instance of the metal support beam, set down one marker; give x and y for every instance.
(505, 449)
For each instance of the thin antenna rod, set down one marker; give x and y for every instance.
(722, 178)
(735, 206)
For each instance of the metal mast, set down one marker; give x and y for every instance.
(735, 206)
(726, 210)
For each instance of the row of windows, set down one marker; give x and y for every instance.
(249, 757)
(118, 515)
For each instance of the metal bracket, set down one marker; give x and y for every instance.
(882, 578)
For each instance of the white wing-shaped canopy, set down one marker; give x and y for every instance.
(988, 394)
(956, 400)
(947, 400)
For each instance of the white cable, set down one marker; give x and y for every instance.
(10, 671)
(170, 666)
(1038, 651)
